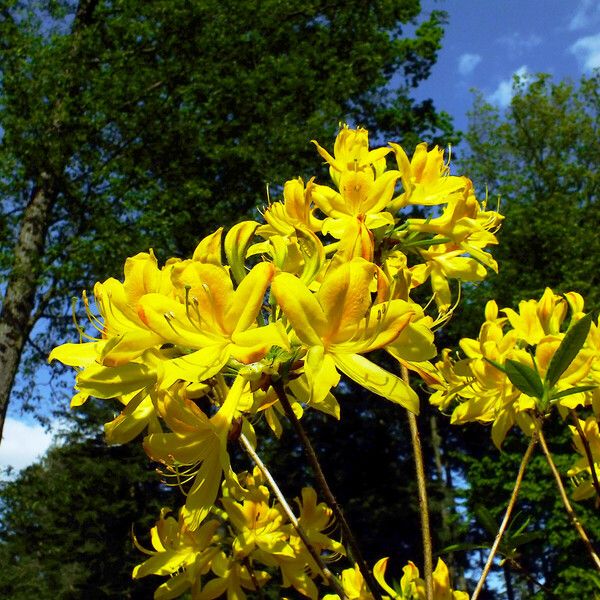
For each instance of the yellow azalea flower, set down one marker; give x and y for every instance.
(444, 262)
(314, 519)
(412, 587)
(296, 211)
(338, 324)
(232, 578)
(581, 470)
(213, 317)
(182, 554)
(351, 153)
(486, 392)
(196, 446)
(258, 526)
(124, 337)
(465, 223)
(354, 586)
(425, 178)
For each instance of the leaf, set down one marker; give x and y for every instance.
(525, 538)
(484, 516)
(524, 378)
(568, 349)
(573, 390)
(495, 364)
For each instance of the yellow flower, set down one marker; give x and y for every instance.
(296, 211)
(338, 323)
(425, 178)
(581, 471)
(198, 444)
(183, 554)
(213, 318)
(412, 587)
(351, 153)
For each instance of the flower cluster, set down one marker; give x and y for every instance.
(522, 364)
(411, 586)
(257, 534)
(193, 350)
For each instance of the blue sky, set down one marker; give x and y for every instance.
(486, 43)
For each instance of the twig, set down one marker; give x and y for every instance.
(326, 491)
(422, 491)
(504, 524)
(588, 452)
(327, 574)
(252, 574)
(565, 500)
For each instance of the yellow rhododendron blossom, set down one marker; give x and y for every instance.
(183, 554)
(530, 337)
(412, 587)
(338, 324)
(581, 471)
(198, 444)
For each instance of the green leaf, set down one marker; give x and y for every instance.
(495, 364)
(568, 349)
(484, 516)
(573, 390)
(524, 378)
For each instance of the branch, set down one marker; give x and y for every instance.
(325, 489)
(422, 491)
(504, 524)
(563, 495)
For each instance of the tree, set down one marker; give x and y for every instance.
(135, 124)
(66, 523)
(540, 158)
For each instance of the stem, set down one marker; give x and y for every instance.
(327, 574)
(588, 452)
(422, 491)
(565, 500)
(504, 524)
(252, 574)
(325, 489)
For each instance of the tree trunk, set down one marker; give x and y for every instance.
(19, 297)
(20, 294)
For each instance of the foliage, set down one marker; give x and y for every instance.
(150, 123)
(66, 522)
(539, 157)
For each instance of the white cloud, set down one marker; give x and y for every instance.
(518, 44)
(503, 94)
(586, 15)
(467, 62)
(22, 444)
(587, 51)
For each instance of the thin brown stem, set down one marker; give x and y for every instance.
(326, 490)
(327, 574)
(255, 583)
(565, 500)
(504, 524)
(588, 452)
(422, 491)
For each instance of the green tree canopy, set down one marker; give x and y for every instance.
(127, 125)
(540, 158)
(66, 523)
